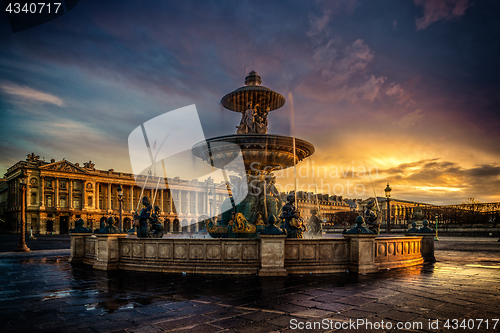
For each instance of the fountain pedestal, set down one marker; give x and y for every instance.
(362, 253)
(108, 251)
(77, 247)
(272, 255)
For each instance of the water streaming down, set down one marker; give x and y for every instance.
(292, 131)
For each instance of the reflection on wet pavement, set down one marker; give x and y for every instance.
(45, 293)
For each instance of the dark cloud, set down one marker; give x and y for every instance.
(357, 81)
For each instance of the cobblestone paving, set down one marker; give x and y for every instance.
(40, 291)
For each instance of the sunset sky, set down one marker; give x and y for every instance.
(410, 89)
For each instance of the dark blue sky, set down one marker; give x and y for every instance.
(411, 87)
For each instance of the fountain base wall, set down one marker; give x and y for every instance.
(266, 256)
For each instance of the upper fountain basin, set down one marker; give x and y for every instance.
(260, 152)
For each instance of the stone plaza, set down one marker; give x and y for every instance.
(41, 291)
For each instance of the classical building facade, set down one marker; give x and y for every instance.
(60, 192)
(402, 211)
(328, 205)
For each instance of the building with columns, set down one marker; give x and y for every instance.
(401, 210)
(59, 193)
(328, 205)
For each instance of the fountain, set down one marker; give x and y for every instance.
(262, 154)
(256, 232)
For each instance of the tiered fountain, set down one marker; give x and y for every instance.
(245, 211)
(262, 154)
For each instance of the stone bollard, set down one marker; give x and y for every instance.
(78, 247)
(272, 255)
(108, 251)
(361, 253)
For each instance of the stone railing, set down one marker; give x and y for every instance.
(394, 252)
(267, 256)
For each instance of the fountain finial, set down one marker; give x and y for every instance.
(253, 79)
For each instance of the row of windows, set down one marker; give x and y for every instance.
(62, 201)
(76, 202)
(63, 183)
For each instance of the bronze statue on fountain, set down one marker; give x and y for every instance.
(254, 197)
(149, 225)
(292, 221)
(371, 218)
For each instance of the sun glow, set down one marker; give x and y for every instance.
(437, 188)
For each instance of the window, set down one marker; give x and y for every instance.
(62, 201)
(76, 185)
(48, 200)
(62, 184)
(89, 202)
(100, 203)
(76, 202)
(48, 183)
(33, 198)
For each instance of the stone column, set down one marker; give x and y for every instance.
(109, 197)
(132, 198)
(361, 253)
(96, 196)
(84, 194)
(161, 200)
(195, 210)
(207, 208)
(56, 194)
(70, 193)
(42, 192)
(171, 204)
(188, 206)
(272, 255)
(218, 204)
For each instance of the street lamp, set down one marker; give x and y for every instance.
(387, 191)
(21, 247)
(120, 200)
(436, 238)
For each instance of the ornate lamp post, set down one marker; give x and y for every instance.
(120, 200)
(21, 247)
(436, 238)
(387, 191)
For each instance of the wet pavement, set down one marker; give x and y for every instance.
(40, 291)
(9, 242)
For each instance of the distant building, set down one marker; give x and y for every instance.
(401, 210)
(354, 204)
(59, 193)
(328, 205)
